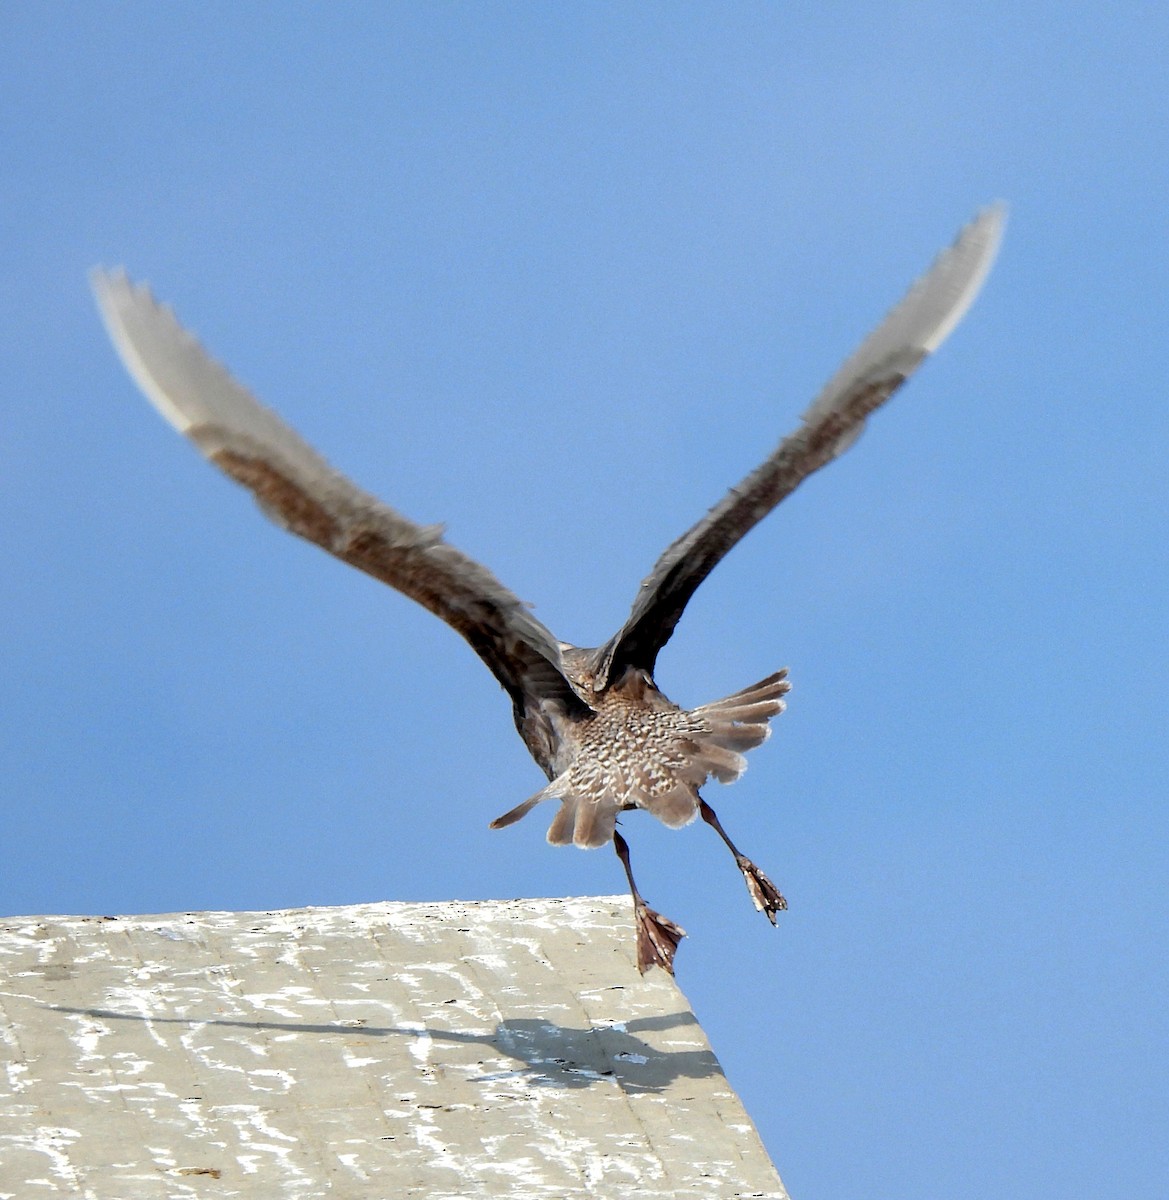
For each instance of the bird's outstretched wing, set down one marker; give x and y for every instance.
(298, 489)
(883, 362)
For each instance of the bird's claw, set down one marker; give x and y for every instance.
(766, 896)
(657, 939)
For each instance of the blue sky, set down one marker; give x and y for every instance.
(558, 275)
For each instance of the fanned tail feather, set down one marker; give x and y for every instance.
(588, 810)
(564, 823)
(766, 692)
(579, 821)
(739, 722)
(679, 805)
(584, 822)
(521, 810)
(725, 764)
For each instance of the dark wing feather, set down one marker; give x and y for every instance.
(298, 489)
(884, 361)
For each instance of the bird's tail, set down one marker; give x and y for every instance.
(521, 810)
(586, 821)
(730, 727)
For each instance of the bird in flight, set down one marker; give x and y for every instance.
(594, 720)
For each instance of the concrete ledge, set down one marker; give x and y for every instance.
(503, 1048)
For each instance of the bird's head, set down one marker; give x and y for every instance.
(580, 669)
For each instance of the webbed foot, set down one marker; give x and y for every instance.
(765, 895)
(657, 938)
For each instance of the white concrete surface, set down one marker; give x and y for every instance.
(456, 1050)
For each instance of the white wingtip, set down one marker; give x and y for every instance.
(188, 387)
(961, 270)
(128, 311)
(925, 316)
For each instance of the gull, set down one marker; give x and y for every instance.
(596, 723)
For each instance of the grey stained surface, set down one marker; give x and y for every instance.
(501, 1048)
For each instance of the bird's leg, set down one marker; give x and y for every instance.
(764, 893)
(657, 936)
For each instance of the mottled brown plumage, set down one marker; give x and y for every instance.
(637, 749)
(594, 720)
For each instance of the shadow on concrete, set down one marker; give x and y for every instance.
(549, 1055)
